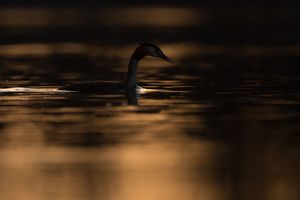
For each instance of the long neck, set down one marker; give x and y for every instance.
(131, 78)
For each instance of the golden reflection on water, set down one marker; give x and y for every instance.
(154, 16)
(130, 171)
(143, 152)
(122, 16)
(149, 161)
(174, 50)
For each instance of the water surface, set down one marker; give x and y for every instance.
(223, 123)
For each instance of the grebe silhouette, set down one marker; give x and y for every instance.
(130, 83)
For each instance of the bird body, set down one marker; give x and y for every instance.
(95, 86)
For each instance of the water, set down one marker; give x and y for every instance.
(221, 124)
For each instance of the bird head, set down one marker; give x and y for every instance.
(147, 49)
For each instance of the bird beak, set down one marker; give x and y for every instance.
(166, 58)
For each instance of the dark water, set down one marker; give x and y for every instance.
(223, 123)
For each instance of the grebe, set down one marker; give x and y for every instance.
(130, 83)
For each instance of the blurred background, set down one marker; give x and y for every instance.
(224, 123)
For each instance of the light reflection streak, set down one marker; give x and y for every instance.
(175, 50)
(32, 90)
